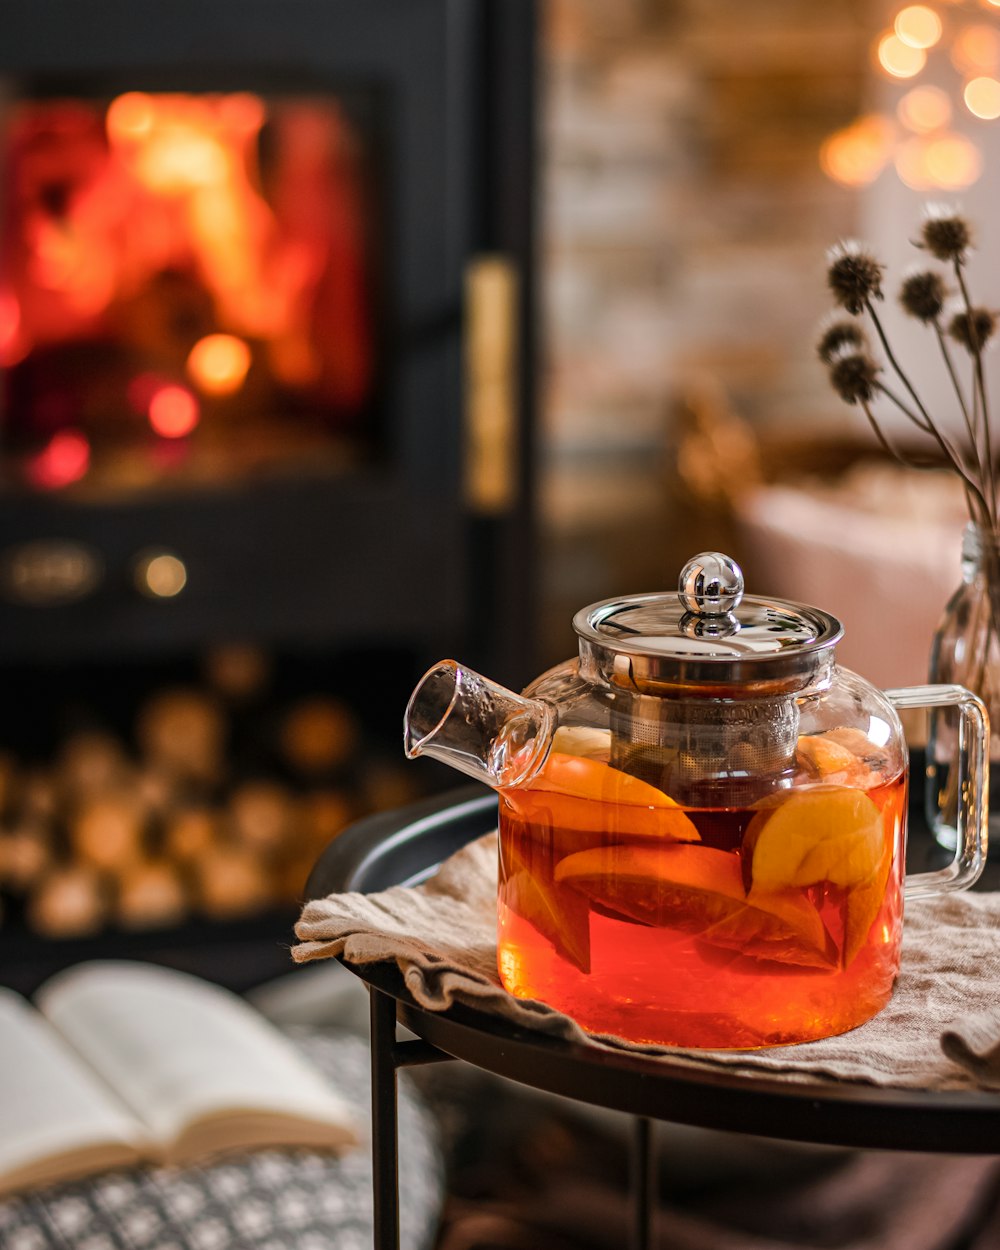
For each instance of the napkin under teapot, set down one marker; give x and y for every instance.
(941, 1029)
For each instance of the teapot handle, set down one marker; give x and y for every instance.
(973, 808)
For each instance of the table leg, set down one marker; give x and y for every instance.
(387, 1056)
(385, 1136)
(643, 1185)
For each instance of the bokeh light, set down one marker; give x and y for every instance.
(64, 460)
(13, 346)
(923, 109)
(898, 58)
(160, 574)
(856, 155)
(173, 411)
(950, 162)
(976, 50)
(982, 98)
(953, 162)
(130, 117)
(218, 364)
(918, 26)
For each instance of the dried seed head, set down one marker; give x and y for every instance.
(838, 336)
(973, 329)
(945, 234)
(923, 294)
(853, 376)
(854, 276)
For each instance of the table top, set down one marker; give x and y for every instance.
(405, 846)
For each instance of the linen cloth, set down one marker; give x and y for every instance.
(941, 1029)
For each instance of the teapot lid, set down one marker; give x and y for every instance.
(707, 638)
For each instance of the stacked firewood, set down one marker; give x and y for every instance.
(151, 832)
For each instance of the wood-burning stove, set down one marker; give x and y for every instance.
(371, 533)
(265, 317)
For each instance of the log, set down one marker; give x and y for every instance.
(70, 902)
(151, 895)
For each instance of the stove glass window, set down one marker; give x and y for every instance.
(187, 289)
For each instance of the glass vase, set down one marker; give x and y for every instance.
(966, 651)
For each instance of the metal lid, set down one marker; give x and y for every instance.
(706, 638)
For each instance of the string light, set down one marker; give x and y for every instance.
(900, 59)
(856, 155)
(982, 98)
(929, 148)
(918, 26)
(924, 109)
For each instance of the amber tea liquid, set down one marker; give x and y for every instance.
(726, 927)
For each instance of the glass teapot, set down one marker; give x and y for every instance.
(702, 818)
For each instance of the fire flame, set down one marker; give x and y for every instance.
(161, 224)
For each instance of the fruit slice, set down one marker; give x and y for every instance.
(845, 755)
(559, 915)
(562, 919)
(591, 743)
(827, 833)
(591, 779)
(824, 759)
(586, 795)
(861, 906)
(698, 890)
(876, 758)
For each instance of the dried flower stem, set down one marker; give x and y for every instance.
(926, 424)
(960, 394)
(854, 277)
(979, 398)
(924, 421)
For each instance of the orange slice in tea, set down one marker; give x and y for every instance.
(584, 740)
(824, 759)
(561, 918)
(827, 833)
(862, 905)
(586, 795)
(845, 755)
(698, 890)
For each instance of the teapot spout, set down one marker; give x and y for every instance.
(484, 730)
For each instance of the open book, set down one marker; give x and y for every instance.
(119, 1063)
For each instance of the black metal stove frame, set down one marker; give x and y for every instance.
(396, 549)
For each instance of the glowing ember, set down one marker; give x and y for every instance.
(173, 412)
(218, 364)
(63, 461)
(130, 117)
(11, 346)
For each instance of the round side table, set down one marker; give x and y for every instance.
(404, 847)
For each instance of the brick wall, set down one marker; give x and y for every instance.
(685, 221)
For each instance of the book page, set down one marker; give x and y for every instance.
(179, 1050)
(57, 1118)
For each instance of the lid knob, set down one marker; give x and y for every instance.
(711, 584)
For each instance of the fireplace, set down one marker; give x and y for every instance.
(265, 422)
(190, 289)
